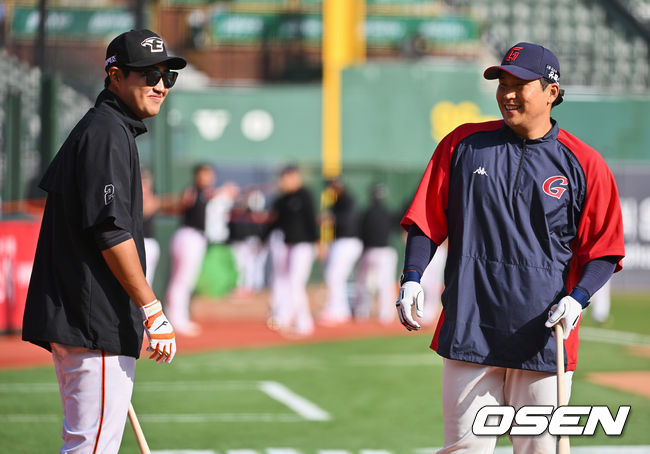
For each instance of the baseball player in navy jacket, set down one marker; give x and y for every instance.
(88, 300)
(534, 226)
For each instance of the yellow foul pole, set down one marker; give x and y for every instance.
(343, 44)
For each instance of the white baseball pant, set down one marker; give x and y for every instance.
(343, 255)
(95, 390)
(250, 257)
(187, 248)
(152, 254)
(292, 309)
(467, 387)
(377, 275)
(278, 282)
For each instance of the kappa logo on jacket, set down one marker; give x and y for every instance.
(481, 171)
(552, 185)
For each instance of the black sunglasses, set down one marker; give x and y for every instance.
(153, 76)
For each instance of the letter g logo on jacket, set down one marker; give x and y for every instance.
(551, 186)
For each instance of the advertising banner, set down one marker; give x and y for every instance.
(72, 22)
(381, 31)
(17, 248)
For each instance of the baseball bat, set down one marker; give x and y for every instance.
(563, 444)
(137, 430)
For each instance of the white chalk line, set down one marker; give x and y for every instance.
(613, 337)
(628, 449)
(152, 386)
(303, 408)
(169, 418)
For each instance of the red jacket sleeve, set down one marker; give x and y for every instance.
(600, 231)
(428, 210)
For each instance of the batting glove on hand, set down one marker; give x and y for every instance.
(410, 294)
(567, 312)
(162, 339)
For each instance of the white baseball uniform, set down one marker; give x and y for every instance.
(95, 390)
(468, 387)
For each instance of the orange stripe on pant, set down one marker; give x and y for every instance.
(102, 404)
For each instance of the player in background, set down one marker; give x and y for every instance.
(377, 276)
(88, 300)
(343, 253)
(534, 226)
(601, 302)
(150, 206)
(292, 223)
(187, 248)
(246, 228)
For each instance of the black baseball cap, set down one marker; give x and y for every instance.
(139, 49)
(528, 61)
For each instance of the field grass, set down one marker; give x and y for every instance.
(380, 394)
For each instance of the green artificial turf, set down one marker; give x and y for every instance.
(381, 394)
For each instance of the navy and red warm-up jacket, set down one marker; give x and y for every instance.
(522, 218)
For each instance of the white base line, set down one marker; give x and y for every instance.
(499, 450)
(185, 451)
(299, 404)
(303, 408)
(169, 418)
(574, 450)
(613, 337)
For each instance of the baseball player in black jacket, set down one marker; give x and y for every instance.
(88, 296)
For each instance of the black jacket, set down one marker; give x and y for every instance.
(295, 215)
(73, 297)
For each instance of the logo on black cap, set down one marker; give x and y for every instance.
(140, 49)
(154, 43)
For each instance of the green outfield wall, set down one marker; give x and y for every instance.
(393, 116)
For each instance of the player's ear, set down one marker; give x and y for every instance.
(553, 92)
(115, 75)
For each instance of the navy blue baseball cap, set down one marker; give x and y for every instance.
(527, 61)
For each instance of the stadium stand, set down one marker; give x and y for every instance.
(599, 44)
(17, 76)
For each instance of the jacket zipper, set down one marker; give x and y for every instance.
(521, 162)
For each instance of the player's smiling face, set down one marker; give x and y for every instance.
(525, 106)
(143, 100)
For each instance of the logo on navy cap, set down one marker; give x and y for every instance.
(552, 74)
(513, 54)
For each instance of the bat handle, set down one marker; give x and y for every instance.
(137, 430)
(559, 344)
(563, 443)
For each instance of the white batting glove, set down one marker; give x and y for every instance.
(162, 339)
(410, 294)
(567, 312)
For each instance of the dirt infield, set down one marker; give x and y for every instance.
(227, 323)
(240, 322)
(635, 382)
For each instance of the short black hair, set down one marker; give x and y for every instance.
(202, 166)
(289, 168)
(125, 71)
(545, 83)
